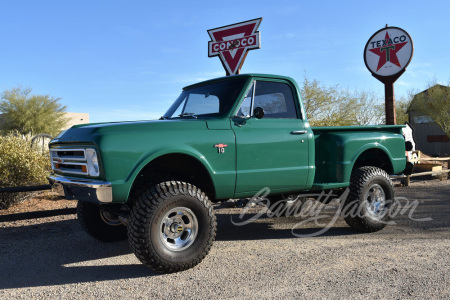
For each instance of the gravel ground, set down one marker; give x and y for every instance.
(44, 254)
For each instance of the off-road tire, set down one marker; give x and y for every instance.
(365, 184)
(149, 216)
(89, 216)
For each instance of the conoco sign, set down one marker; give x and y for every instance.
(232, 43)
(388, 52)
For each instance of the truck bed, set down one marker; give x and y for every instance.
(338, 149)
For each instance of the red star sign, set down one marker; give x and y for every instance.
(388, 52)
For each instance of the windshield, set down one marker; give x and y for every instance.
(214, 99)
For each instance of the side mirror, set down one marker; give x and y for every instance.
(258, 112)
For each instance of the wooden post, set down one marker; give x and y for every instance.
(391, 118)
(389, 97)
(407, 180)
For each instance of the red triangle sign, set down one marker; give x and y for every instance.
(231, 43)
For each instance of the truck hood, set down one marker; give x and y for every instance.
(88, 133)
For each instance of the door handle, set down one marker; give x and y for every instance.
(299, 132)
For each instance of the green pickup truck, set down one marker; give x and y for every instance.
(153, 181)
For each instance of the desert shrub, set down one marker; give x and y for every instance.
(21, 164)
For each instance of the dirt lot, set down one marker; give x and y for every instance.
(44, 254)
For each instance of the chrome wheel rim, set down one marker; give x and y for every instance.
(375, 201)
(178, 228)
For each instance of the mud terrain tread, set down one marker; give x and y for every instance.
(358, 180)
(146, 208)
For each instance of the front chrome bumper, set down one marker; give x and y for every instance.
(87, 190)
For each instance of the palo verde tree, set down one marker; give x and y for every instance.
(31, 114)
(401, 109)
(334, 106)
(435, 103)
(369, 109)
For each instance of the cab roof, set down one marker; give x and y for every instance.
(249, 75)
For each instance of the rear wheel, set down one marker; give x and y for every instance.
(366, 209)
(100, 223)
(172, 226)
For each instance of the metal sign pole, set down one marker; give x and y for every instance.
(389, 96)
(391, 118)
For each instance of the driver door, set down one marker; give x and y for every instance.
(271, 151)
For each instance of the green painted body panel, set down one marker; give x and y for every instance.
(260, 153)
(269, 156)
(337, 149)
(125, 148)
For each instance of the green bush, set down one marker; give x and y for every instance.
(21, 164)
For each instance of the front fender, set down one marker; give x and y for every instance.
(122, 188)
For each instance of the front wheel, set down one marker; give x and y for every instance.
(99, 223)
(367, 207)
(172, 226)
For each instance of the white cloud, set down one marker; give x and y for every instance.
(404, 83)
(420, 70)
(288, 35)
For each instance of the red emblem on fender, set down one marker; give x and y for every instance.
(220, 147)
(231, 43)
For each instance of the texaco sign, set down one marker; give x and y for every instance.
(388, 51)
(231, 43)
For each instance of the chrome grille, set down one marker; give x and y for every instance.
(70, 161)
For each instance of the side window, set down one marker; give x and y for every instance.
(276, 99)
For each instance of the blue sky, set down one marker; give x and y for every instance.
(128, 60)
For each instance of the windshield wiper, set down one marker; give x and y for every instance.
(164, 118)
(188, 115)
